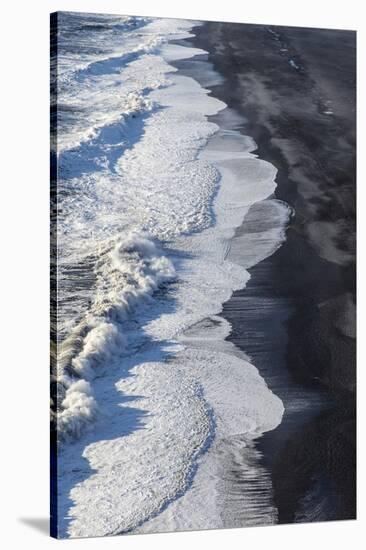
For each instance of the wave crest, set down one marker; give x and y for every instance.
(129, 273)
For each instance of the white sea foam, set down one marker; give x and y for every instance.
(234, 487)
(146, 201)
(142, 472)
(92, 89)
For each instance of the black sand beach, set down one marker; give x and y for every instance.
(296, 317)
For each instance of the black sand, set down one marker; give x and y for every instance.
(296, 317)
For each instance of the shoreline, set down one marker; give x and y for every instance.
(308, 285)
(255, 409)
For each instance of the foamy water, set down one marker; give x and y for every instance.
(150, 195)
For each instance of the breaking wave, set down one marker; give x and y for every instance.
(126, 276)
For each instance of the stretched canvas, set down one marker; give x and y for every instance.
(202, 275)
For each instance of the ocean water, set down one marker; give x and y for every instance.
(152, 402)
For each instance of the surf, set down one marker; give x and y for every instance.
(150, 200)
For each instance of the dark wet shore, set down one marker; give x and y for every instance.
(296, 317)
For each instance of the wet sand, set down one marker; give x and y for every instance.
(296, 317)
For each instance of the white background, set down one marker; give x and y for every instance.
(24, 269)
